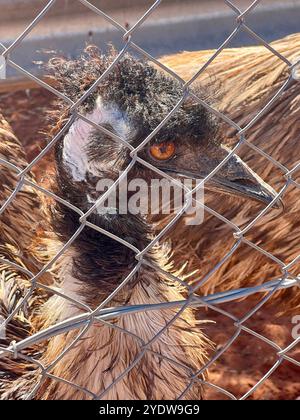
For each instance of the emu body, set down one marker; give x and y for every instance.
(248, 78)
(20, 243)
(105, 352)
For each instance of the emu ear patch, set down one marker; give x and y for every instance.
(75, 144)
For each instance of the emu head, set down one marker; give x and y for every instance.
(130, 102)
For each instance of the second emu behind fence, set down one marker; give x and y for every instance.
(248, 78)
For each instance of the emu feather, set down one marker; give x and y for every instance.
(248, 78)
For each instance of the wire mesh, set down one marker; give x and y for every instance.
(102, 313)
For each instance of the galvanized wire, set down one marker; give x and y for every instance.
(83, 322)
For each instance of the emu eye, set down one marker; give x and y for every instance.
(162, 151)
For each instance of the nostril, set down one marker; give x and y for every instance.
(244, 181)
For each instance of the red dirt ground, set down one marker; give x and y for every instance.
(248, 359)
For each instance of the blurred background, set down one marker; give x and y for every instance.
(176, 25)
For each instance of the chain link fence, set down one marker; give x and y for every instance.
(105, 314)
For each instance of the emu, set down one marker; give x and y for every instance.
(249, 77)
(131, 101)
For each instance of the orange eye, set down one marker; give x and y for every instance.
(162, 151)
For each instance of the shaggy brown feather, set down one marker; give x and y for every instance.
(19, 229)
(248, 78)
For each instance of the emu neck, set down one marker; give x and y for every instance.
(98, 264)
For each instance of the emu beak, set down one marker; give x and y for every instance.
(234, 177)
(242, 181)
